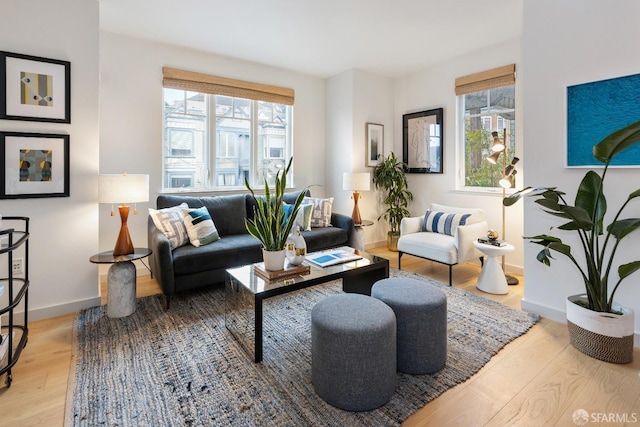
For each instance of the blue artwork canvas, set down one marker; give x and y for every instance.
(596, 109)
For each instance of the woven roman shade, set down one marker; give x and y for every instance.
(485, 80)
(205, 83)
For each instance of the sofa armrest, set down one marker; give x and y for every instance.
(161, 262)
(342, 221)
(465, 235)
(411, 225)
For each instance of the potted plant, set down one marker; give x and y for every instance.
(598, 326)
(390, 175)
(272, 223)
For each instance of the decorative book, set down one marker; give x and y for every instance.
(332, 257)
(492, 242)
(288, 271)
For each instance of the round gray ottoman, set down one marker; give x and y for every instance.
(421, 316)
(353, 351)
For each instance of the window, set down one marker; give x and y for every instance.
(486, 102)
(214, 140)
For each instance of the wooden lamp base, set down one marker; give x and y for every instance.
(124, 246)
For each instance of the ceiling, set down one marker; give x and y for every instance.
(322, 37)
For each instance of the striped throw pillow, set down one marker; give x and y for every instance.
(200, 227)
(443, 222)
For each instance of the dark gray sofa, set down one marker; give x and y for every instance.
(188, 267)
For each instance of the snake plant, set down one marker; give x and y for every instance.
(271, 224)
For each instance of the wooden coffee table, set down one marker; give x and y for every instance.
(245, 291)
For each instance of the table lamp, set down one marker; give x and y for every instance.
(356, 182)
(123, 189)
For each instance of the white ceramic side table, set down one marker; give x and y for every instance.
(492, 279)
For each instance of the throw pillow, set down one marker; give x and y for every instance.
(303, 219)
(443, 222)
(200, 226)
(321, 213)
(169, 221)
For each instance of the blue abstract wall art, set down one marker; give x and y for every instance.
(596, 109)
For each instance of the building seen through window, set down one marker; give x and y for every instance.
(214, 142)
(485, 112)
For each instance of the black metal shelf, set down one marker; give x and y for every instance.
(17, 289)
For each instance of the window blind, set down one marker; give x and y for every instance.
(205, 83)
(485, 80)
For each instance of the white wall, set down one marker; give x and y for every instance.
(355, 98)
(434, 88)
(64, 231)
(131, 116)
(567, 43)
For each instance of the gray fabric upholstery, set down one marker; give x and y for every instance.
(421, 316)
(353, 348)
(188, 267)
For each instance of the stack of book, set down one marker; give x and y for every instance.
(492, 242)
(288, 271)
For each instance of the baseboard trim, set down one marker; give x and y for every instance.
(558, 315)
(53, 311)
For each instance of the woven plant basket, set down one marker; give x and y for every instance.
(603, 336)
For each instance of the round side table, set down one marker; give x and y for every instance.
(358, 234)
(121, 280)
(492, 279)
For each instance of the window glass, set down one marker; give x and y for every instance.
(214, 142)
(486, 112)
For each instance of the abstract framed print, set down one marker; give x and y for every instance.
(34, 88)
(35, 165)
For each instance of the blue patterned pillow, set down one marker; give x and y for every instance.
(443, 222)
(200, 227)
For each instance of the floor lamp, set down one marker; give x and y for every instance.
(509, 171)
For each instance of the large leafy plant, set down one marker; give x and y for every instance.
(390, 175)
(271, 223)
(586, 218)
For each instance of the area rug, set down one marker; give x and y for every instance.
(182, 368)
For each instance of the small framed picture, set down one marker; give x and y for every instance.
(375, 144)
(34, 165)
(422, 141)
(34, 88)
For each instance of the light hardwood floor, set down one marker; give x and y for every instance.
(538, 379)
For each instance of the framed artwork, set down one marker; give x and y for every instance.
(422, 141)
(375, 144)
(596, 109)
(34, 88)
(34, 165)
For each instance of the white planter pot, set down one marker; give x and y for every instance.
(273, 260)
(603, 336)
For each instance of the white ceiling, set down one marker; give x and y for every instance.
(322, 37)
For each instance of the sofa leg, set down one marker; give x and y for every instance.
(450, 274)
(399, 257)
(168, 299)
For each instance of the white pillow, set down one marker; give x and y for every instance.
(200, 227)
(169, 221)
(303, 219)
(321, 214)
(444, 222)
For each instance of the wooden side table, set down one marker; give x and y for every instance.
(121, 280)
(492, 279)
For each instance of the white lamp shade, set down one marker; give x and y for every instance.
(123, 188)
(356, 181)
